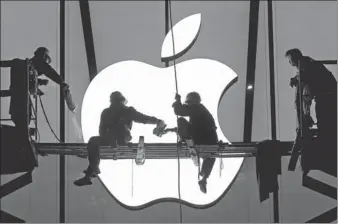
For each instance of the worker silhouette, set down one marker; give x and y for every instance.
(38, 65)
(201, 129)
(320, 85)
(115, 127)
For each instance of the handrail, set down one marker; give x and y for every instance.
(26, 97)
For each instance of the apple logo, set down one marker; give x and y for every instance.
(151, 91)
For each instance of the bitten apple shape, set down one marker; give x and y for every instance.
(151, 90)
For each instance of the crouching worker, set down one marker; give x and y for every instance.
(115, 126)
(201, 129)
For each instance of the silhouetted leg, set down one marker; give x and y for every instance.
(20, 124)
(93, 149)
(183, 128)
(208, 164)
(326, 113)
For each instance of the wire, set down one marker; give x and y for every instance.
(172, 35)
(176, 85)
(44, 113)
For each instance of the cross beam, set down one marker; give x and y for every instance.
(158, 150)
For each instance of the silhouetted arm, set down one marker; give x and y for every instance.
(6, 64)
(181, 110)
(142, 118)
(50, 72)
(103, 123)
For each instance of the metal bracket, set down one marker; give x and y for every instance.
(11, 187)
(324, 189)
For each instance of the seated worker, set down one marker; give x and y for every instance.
(115, 126)
(201, 129)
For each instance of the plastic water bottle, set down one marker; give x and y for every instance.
(140, 156)
(76, 126)
(69, 100)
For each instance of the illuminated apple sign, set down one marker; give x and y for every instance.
(151, 90)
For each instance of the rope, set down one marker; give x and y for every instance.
(172, 35)
(176, 86)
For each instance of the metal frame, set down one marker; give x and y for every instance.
(25, 179)
(326, 190)
(9, 188)
(62, 168)
(158, 151)
(272, 99)
(88, 38)
(7, 93)
(251, 69)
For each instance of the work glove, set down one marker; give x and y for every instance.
(165, 131)
(64, 86)
(159, 129)
(178, 97)
(293, 81)
(177, 100)
(42, 82)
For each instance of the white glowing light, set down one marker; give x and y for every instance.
(151, 90)
(185, 33)
(250, 87)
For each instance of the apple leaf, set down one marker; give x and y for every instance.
(185, 34)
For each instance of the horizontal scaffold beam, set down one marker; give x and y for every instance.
(159, 150)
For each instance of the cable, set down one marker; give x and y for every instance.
(176, 85)
(44, 113)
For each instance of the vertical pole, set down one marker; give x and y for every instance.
(88, 38)
(251, 69)
(272, 99)
(62, 112)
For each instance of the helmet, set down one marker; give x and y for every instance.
(117, 97)
(193, 98)
(43, 52)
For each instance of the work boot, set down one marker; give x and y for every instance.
(201, 173)
(92, 172)
(203, 185)
(83, 181)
